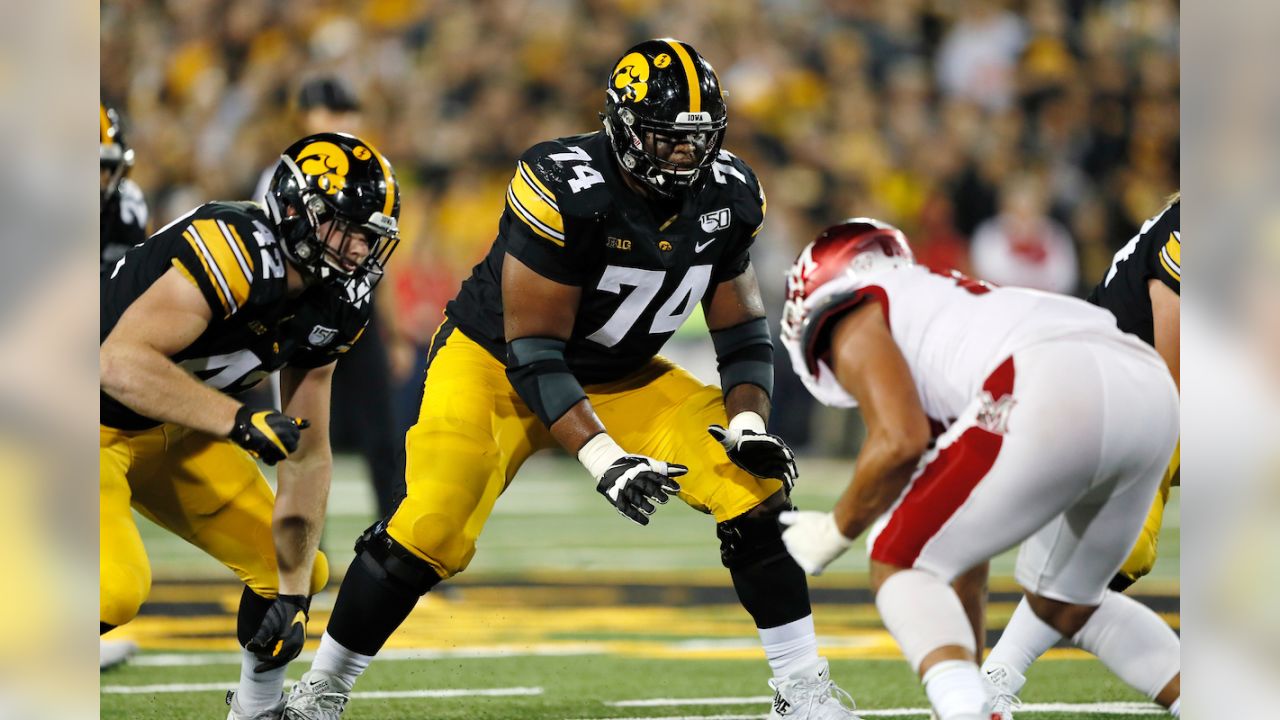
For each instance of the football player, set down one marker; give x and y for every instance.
(122, 208)
(1058, 427)
(608, 241)
(1142, 289)
(203, 310)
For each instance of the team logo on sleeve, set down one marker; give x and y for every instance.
(715, 220)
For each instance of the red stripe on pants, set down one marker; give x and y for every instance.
(943, 486)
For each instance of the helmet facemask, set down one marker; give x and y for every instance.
(645, 147)
(325, 243)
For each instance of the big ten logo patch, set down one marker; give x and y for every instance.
(615, 243)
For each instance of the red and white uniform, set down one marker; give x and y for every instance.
(1057, 430)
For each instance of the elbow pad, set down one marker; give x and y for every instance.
(744, 354)
(537, 370)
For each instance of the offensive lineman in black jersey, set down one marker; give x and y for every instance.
(204, 309)
(1143, 289)
(122, 209)
(607, 243)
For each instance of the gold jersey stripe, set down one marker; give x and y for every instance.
(236, 276)
(691, 73)
(104, 122)
(532, 178)
(244, 250)
(1171, 269)
(1171, 257)
(184, 272)
(535, 206)
(200, 255)
(533, 224)
(390, 203)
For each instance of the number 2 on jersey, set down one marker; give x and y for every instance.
(647, 283)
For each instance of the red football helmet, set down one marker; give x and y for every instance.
(823, 282)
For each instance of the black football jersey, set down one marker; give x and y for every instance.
(123, 223)
(570, 218)
(1155, 252)
(229, 250)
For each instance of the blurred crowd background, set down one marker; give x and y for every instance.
(1021, 141)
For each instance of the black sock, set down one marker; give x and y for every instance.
(774, 591)
(253, 607)
(368, 610)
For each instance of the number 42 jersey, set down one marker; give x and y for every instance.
(229, 251)
(570, 218)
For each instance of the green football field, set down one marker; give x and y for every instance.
(569, 611)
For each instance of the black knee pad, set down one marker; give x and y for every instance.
(391, 563)
(753, 537)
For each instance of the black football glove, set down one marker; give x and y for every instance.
(282, 633)
(761, 454)
(267, 434)
(632, 481)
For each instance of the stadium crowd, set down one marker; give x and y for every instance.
(1022, 141)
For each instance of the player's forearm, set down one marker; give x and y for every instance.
(151, 385)
(577, 426)
(746, 397)
(883, 471)
(298, 518)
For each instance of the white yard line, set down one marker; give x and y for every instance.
(1114, 708)
(367, 695)
(492, 651)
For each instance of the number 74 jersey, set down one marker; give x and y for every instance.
(570, 218)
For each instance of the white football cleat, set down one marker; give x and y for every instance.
(316, 697)
(115, 652)
(810, 695)
(1003, 684)
(275, 712)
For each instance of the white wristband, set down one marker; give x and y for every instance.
(747, 421)
(599, 454)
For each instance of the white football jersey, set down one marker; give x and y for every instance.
(954, 331)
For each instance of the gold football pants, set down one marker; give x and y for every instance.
(206, 490)
(1143, 556)
(473, 433)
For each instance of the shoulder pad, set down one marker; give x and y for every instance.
(235, 245)
(739, 181)
(571, 172)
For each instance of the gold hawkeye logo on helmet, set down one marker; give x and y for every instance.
(631, 76)
(329, 162)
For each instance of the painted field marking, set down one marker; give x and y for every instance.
(482, 652)
(367, 695)
(1114, 708)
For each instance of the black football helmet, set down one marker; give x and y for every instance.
(662, 93)
(114, 154)
(339, 177)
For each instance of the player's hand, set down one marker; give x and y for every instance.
(812, 538)
(282, 633)
(759, 453)
(267, 434)
(634, 482)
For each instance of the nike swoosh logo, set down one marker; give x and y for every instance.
(299, 618)
(702, 245)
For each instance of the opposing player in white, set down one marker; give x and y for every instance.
(1056, 428)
